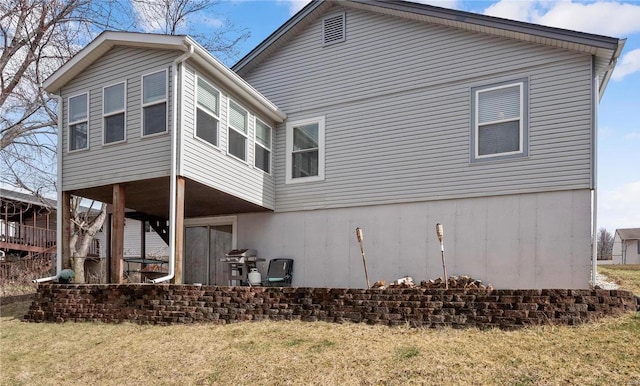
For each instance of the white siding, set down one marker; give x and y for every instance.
(539, 240)
(624, 252)
(154, 246)
(212, 166)
(396, 98)
(137, 158)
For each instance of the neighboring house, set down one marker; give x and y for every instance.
(27, 224)
(626, 247)
(391, 116)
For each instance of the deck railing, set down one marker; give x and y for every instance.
(27, 235)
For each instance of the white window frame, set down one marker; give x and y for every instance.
(522, 118)
(195, 113)
(165, 100)
(71, 123)
(289, 150)
(256, 143)
(245, 135)
(107, 115)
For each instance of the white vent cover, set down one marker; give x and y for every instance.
(333, 29)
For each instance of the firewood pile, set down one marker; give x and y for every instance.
(458, 282)
(455, 282)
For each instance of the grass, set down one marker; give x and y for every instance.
(297, 353)
(626, 276)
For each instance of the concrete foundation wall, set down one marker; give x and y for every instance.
(539, 240)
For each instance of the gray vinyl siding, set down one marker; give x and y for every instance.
(137, 158)
(396, 96)
(212, 166)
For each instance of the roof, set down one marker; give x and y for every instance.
(606, 48)
(109, 39)
(629, 233)
(27, 198)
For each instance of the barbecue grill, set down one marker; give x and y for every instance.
(240, 261)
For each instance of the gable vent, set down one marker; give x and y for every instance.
(333, 29)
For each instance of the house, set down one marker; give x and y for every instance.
(385, 115)
(27, 224)
(626, 247)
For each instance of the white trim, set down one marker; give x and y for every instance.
(245, 135)
(106, 115)
(165, 100)
(70, 123)
(321, 150)
(197, 77)
(215, 221)
(476, 124)
(256, 143)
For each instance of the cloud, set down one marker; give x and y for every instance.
(632, 136)
(620, 207)
(601, 17)
(628, 64)
(452, 4)
(212, 22)
(294, 5)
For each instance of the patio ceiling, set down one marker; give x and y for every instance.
(151, 197)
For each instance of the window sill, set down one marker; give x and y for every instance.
(302, 180)
(155, 134)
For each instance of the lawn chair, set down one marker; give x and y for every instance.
(279, 273)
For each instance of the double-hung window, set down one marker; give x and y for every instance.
(263, 147)
(305, 150)
(207, 112)
(154, 103)
(78, 118)
(499, 114)
(113, 113)
(238, 128)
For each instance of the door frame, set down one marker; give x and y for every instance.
(217, 220)
(213, 221)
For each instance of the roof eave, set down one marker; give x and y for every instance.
(596, 44)
(101, 44)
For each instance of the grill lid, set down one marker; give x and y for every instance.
(242, 253)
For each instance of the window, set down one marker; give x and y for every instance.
(154, 103)
(500, 121)
(263, 147)
(207, 112)
(238, 126)
(638, 245)
(78, 122)
(305, 150)
(113, 113)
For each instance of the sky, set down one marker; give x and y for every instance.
(619, 126)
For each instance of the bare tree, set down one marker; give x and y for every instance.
(174, 17)
(605, 244)
(85, 223)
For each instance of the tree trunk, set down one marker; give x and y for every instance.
(78, 269)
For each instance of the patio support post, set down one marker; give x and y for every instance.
(117, 233)
(179, 245)
(66, 230)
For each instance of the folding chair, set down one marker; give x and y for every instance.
(279, 273)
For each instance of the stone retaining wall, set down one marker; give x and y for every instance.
(417, 307)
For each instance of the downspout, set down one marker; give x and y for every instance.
(595, 98)
(59, 197)
(174, 164)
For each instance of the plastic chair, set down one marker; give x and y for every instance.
(279, 273)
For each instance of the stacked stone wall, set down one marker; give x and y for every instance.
(416, 307)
